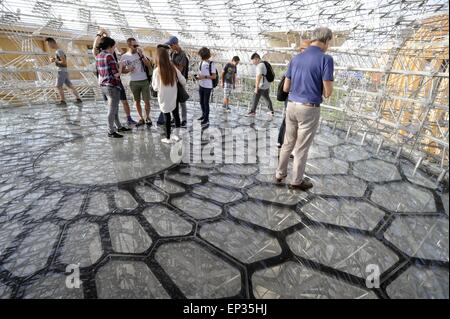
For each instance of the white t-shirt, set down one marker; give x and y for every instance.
(262, 70)
(204, 70)
(167, 95)
(130, 59)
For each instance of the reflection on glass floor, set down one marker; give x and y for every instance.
(139, 226)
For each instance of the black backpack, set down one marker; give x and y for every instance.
(215, 82)
(270, 76)
(281, 95)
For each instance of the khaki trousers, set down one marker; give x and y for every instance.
(302, 122)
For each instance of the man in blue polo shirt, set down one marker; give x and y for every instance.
(309, 77)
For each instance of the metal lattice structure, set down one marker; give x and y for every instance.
(391, 55)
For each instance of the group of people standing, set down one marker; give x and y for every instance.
(308, 79)
(164, 77)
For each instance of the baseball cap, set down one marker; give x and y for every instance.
(172, 40)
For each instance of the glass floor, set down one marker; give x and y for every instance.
(135, 224)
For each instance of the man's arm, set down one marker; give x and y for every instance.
(287, 85)
(258, 81)
(62, 62)
(327, 88)
(222, 78)
(147, 61)
(328, 77)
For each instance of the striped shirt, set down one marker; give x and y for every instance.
(106, 68)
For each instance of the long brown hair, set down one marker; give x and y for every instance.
(166, 69)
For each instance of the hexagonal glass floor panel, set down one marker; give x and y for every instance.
(266, 215)
(404, 198)
(197, 272)
(127, 235)
(421, 237)
(197, 208)
(349, 213)
(376, 171)
(128, 280)
(420, 282)
(278, 194)
(166, 222)
(241, 242)
(344, 251)
(294, 281)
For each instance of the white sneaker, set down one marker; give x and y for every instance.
(175, 138)
(166, 141)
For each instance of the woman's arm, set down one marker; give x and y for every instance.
(155, 80)
(95, 49)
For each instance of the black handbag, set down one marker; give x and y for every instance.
(281, 95)
(182, 95)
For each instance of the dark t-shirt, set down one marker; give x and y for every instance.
(180, 59)
(229, 71)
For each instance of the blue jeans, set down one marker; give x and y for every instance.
(205, 96)
(112, 94)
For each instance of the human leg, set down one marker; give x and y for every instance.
(255, 102)
(289, 141)
(266, 95)
(308, 118)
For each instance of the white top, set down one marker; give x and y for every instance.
(262, 70)
(204, 70)
(130, 59)
(167, 95)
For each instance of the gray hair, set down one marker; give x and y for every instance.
(322, 34)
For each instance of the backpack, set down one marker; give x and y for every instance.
(215, 82)
(281, 95)
(270, 75)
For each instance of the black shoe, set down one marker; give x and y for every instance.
(61, 103)
(205, 123)
(115, 135)
(278, 180)
(201, 118)
(79, 101)
(183, 124)
(148, 122)
(124, 129)
(304, 186)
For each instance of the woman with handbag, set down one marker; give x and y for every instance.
(169, 83)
